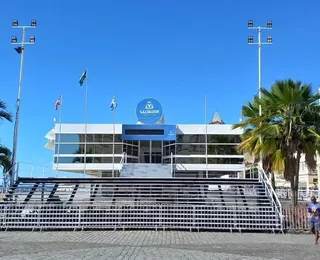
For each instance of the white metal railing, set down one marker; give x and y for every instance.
(271, 193)
(165, 216)
(303, 195)
(171, 158)
(123, 158)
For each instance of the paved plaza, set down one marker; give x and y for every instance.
(147, 245)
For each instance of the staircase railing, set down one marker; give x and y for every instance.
(180, 163)
(263, 178)
(122, 162)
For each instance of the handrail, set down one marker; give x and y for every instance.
(180, 163)
(264, 178)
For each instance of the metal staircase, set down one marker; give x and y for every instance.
(145, 170)
(135, 201)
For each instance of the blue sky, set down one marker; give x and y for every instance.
(174, 50)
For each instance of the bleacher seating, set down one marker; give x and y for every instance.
(159, 203)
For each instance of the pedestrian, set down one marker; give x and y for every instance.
(314, 218)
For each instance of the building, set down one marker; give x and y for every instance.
(106, 150)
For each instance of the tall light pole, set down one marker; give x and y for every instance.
(20, 50)
(259, 43)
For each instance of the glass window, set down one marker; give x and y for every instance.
(168, 160)
(104, 148)
(187, 149)
(68, 138)
(223, 149)
(191, 160)
(210, 160)
(130, 150)
(132, 160)
(191, 139)
(131, 142)
(88, 159)
(224, 139)
(91, 138)
(107, 138)
(69, 149)
(168, 142)
(167, 150)
(225, 160)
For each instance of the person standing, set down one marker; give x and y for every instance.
(314, 218)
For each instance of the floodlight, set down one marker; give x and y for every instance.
(250, 23)
(15, 23)
(14, 39)
(269, 39)
(269, 24)
(32, 39)
(33, 23)
(250, 39)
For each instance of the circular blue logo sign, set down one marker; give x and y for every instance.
(149, 111)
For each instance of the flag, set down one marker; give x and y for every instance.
(83, 77)
(57, 104)
(113, 104)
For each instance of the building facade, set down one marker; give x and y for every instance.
(190, 149)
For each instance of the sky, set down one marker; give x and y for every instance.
(176, 51)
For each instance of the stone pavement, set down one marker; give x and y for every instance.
(148, 245)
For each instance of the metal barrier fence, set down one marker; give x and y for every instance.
(137, 216)
(303, 195)
(295, 218)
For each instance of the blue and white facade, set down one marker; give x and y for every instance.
(190, 150)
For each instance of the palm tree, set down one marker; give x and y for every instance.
(5, 153)
(4, 114)
(289, 126)
(5, 161)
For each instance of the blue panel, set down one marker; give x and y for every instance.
(149, 132)
(149, 111)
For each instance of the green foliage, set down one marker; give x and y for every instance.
(5, 153)
(288, 127)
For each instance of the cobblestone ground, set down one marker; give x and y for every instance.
(164, 245)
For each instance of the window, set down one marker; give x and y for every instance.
(188, 149)
(132, 160)
(225, 160)
(69, 149)
(131, 142)
(191, 139)
(222, 149)
(91, 149)
(167, 150)
(210, 160)
(224, 139)
(168, 142)
(88, 159)
(191, 160)
(130, 150)
(91, 138)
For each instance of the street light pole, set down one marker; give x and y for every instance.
(259, 43)
(19, 50)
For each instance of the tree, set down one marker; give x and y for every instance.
(5, 153)
(5, 161)
(4, 114)
(289, 127)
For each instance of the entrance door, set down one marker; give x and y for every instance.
(150, 152)
(144, 156)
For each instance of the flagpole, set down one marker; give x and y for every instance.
(85, 125)
(205, 121)
(113, 119)
(60, 119)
